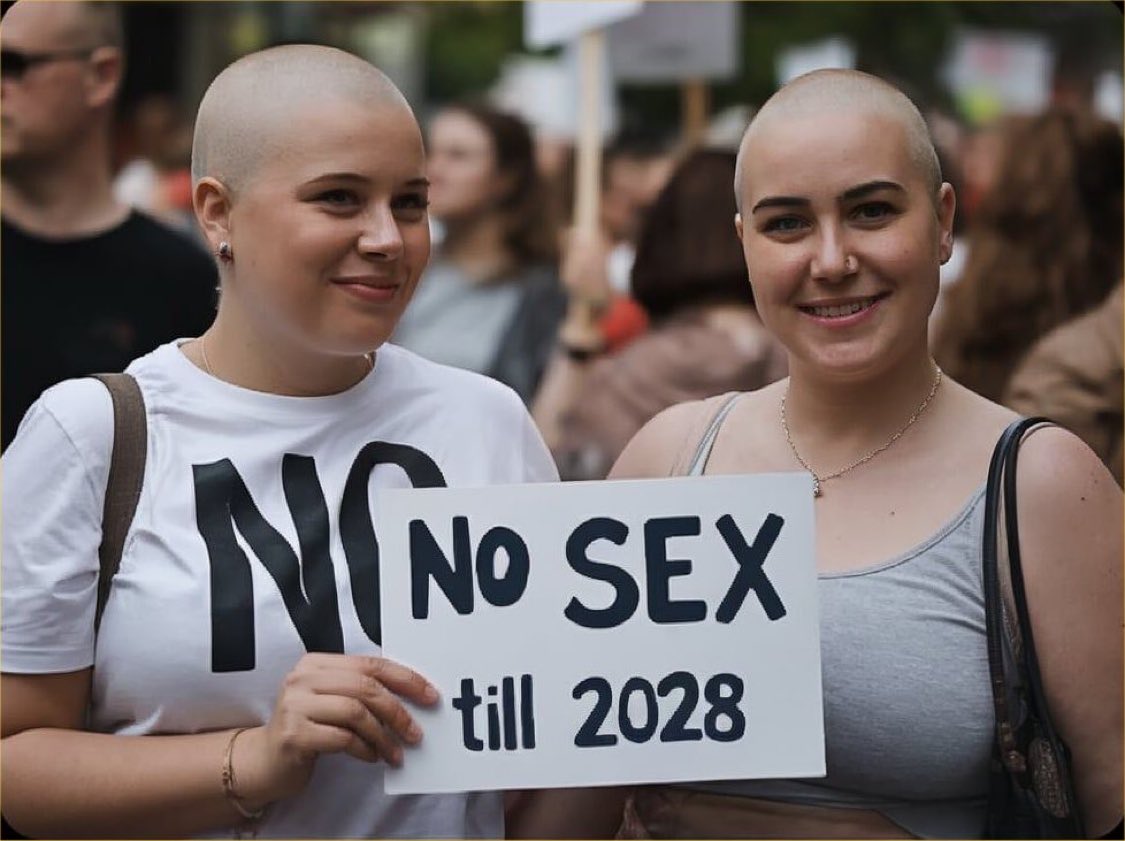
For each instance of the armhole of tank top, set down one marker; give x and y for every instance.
(702, 454)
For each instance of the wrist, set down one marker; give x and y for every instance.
(580, 355)
(249, 779)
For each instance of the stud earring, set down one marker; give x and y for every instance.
(226, 254)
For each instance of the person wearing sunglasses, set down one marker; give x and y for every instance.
(88, 283)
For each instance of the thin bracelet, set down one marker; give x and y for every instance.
(229, 783)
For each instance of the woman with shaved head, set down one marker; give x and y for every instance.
(845, 221)
(237, 682)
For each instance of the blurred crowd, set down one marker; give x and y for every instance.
(599, 330)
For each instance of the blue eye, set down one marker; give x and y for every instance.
(338, 198)
(783, 225)
(873, 211)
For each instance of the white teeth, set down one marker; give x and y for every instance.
(840, 311)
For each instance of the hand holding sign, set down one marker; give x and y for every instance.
(667, 629)
(331, 703)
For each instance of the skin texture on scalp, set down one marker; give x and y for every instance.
(99, 24)
(250, 104)
(833, 91)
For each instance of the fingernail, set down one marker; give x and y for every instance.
(396, 757)
(430, 694)
(414, 734)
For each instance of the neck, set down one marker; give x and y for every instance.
(257, 362)
(833, 421)
(477, 247)
(69, 196)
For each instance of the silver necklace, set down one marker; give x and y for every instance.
(817, 478)
(370, 357)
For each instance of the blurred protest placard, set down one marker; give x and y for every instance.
(673, 41)
(836, 52)
(551, 22)
(991, 73)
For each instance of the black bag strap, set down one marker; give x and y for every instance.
(1017, 686)
(126, 476)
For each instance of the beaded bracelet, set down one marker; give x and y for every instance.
(230, 785)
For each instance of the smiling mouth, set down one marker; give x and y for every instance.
(842, 310)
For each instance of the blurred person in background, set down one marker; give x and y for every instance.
(491, 300)
(1074, 376)
(634, 169)
(89, 284)
(1045, 245)
(157, 175)
(705, 338)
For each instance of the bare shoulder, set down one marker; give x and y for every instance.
(662, 443)
(1057, 468)
(1070, 517)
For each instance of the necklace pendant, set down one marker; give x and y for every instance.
(815, 487)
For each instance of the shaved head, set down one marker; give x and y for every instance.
(249, 107)
(104, 22)
(849, 91)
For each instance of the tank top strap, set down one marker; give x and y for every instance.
(698, 461)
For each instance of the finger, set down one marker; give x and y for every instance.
(383, 704)
(326, 738)
(398, 678)
(353, 715)
(402, 680)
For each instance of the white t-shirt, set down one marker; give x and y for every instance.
(228, 470)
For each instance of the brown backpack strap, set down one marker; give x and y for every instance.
(126, 475)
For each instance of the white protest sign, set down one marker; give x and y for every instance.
(544, 91)
(672, 41)
(835, 52)
(996, 72)
(550, 22)
(592, 633)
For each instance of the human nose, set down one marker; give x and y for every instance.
(380, 237)
(832, 260)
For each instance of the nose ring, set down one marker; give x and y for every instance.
(850, 264)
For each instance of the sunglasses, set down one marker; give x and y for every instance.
(15, 63)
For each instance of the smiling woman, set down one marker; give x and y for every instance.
(844, 224)
(248, 668)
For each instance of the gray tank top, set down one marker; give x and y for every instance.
(908, 715)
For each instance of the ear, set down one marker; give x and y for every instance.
(946, 208)
(738, 225)
(107, 66)
(211, 200)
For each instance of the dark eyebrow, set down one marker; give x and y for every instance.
(850, 194)
(870, 187)
(337, 176)
(354, 177)
(780, 201)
